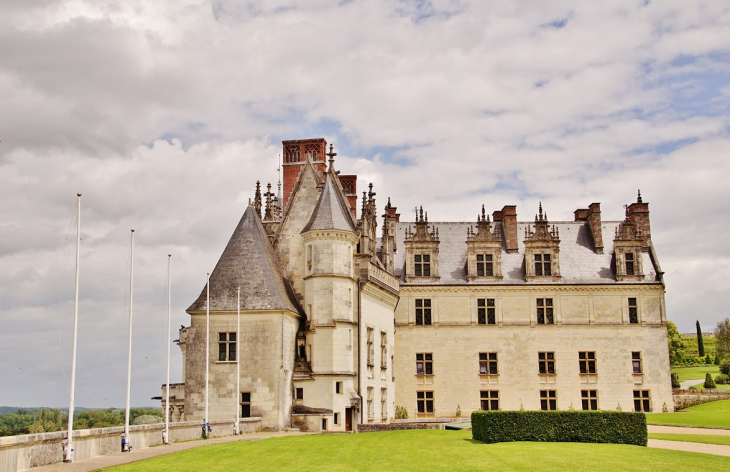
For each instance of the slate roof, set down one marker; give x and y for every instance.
(248, 262)
(579, 263)
(330, 212)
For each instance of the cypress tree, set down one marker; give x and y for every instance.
(700, 341)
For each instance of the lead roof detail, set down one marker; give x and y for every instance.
(248, 262)
(330, 212)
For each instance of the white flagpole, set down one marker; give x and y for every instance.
(125, 441)
(238, 362)
(166, 437)
(69, 434)
(207, 347)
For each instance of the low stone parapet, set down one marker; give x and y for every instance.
(35, 450)
(685, 398)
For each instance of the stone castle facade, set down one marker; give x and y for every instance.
(340, 323)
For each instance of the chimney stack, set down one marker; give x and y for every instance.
(508, 216)
(592, 215)
(638, 213)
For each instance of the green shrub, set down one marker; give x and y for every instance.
(401, 412)
(722, 379)
(709, 383)
(725, 366)
(708, 360)
(717, 359)
(675, 381)
(560, 426)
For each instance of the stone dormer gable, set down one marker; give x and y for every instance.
(542, 251)
(248, 262)
(628, 245)
(422, 251)
(331, 211)
(484, 251)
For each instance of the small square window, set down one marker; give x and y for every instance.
(299, 394)
(587, 362)
(425, 402)
(488, 363)
(423, 311)
(546, 362)
(486, 311)
(548, 400)
(489, 399)
(424, 364)
(642, 401)
(636, 362)
(589, 399)
(545, 313)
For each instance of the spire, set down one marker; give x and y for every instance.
(269, 214)
(330, 211)
(638, 199)
(257, 199)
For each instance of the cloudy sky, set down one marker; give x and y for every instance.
(165, 113)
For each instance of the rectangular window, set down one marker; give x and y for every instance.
(543, 264)
(371, 351)
(425, 401)
(485, 265)
(546, 362)
(226, 347)
(422, 265)
(324, 424)
(489, 399)
(424, 364)
(383, 350)
(633, 311)
(642, 401)
(545, 311)
(488, 363)
(384, 402)
(338, 387)
(423, 311)
(485, 311)
(299, 394)
(245, 404)
(629, 263)
(587, 362)
(336, 419)
(548, 400)
(371, 411)
(636, 362)
(309, 258)
(589, 398)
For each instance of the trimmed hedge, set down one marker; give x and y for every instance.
(560, 426)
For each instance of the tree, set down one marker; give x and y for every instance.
(700, 341)
(675, 381)
(676, 345)
(717, 359)
(722, 339)
(709, 383)
(708, 360)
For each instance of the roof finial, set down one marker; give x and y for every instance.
(638, 200)
(257, 199)
(426, 217)
(421, 213)
(331, 155)
(487, 218)
(541, 211)
(482, 212)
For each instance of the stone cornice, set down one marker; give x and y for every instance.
(473, 287)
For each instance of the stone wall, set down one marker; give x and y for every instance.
(35, 450)
(687, 398)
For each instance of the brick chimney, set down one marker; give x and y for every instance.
(638, 213)
(349, 185)
(508, 216)
(592, 215)
(294, 156)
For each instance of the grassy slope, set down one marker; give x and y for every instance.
(421, 450)
(690, 345)
(698, 373)
(713, 414)
(698, 438)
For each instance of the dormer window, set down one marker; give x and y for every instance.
(422, 265)
(484, 251)
(543, 265)
(485, 265)
(422, 250)
(629, 259)
(628, 243)
(542, 248)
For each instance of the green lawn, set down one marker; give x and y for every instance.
(420, 450)
(692, 373)
(698, 438)
(713, 414)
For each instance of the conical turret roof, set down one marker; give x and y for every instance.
(248, 262)
(330, 212)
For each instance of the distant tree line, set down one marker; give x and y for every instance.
(47, 420)
(682, 349)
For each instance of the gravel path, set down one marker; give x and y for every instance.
(688, 430)
(688, 383)
(691, 447)
(101, 462)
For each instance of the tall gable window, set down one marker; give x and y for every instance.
(542, 250)
(484, 251)
(628, 243)
(422, 251)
